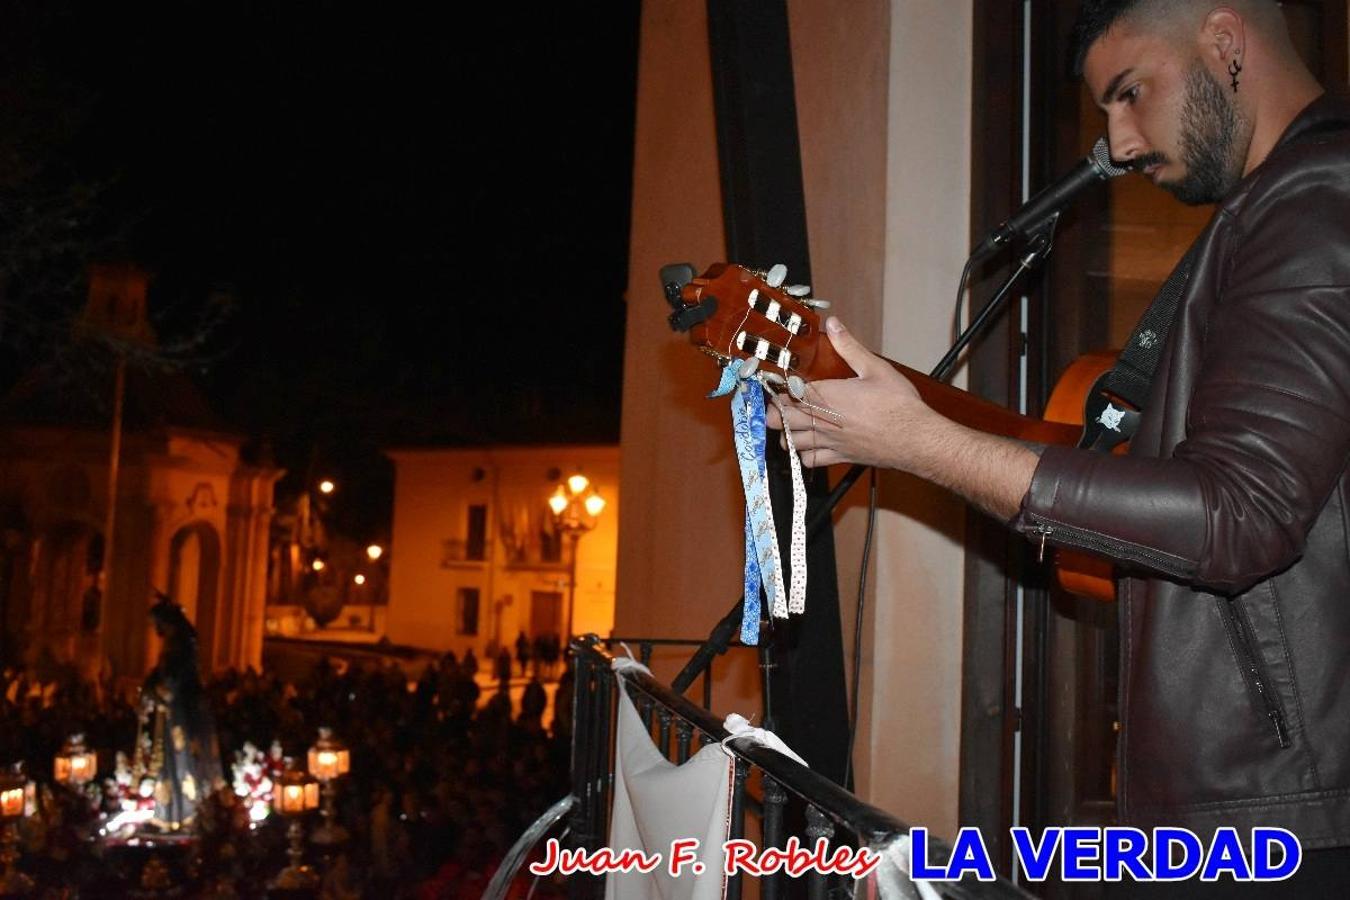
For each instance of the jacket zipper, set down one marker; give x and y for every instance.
(1240, 631)
(1237, 628)
(1086, 540)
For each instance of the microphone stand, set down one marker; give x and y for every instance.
(1039, 246)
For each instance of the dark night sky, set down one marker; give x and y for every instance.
(416, 216)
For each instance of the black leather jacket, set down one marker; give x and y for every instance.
(1231, 516)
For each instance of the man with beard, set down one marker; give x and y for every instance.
(1230, 517)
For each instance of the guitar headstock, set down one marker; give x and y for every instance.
(732, 312)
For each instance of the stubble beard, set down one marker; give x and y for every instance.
(1211, 127)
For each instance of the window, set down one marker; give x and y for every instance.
(467, 613)
(475, 545)
(550, 545)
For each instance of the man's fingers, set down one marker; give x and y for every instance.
(858, 357)
(804, 419)
(814, 459)
(772, 417)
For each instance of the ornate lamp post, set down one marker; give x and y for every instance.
(576, 506)
(329, 760)
(76, 765)
(295, 794)
(13, 805)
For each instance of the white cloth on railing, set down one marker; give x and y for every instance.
(623, 664)
(741, 728)
(657, 802)
(893, 879)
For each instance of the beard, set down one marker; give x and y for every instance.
(1210, 129)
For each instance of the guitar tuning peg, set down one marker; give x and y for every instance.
(776, 276)
(773, 378)
(815, 303)
(796, 387)
(749, 367)
(798, 290)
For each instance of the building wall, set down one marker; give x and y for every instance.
(177, 495)
(433, 492)
(883, 96)
(681, 539)
(914, 712)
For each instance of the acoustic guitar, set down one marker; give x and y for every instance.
(731, 312)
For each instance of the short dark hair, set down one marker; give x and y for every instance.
(1095, 18)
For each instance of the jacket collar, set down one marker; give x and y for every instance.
(1329, 112)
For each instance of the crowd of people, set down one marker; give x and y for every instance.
(441, 783)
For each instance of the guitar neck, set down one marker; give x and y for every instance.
(982, 415)
(732, 304)
(956, 404)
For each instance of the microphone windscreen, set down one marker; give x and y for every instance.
(1101, 157)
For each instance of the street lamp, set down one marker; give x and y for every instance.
(576, 506)
(76, 765)
(13, 805)
(327, 486)
(329, 760)
(296, 794)
(374, 552)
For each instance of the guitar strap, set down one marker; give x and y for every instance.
(1112, 409)
(1107, 424)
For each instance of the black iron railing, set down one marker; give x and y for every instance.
(788, 791)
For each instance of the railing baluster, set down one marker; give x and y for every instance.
(583, 742)
(599, 774)
(684, 735)
(707, 687)
(737, 829)
(664, 742)
(644, 705)
(818, 825)
(605, 772)
(645, 653)
(775, 799)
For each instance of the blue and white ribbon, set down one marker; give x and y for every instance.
(763, 564)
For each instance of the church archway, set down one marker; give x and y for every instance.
(194, 581)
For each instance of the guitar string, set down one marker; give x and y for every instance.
(731, 344)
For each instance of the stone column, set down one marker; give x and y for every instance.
(246, 547)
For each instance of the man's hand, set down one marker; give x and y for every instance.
(878, 419)
(878, 413)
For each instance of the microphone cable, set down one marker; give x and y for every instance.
(858, 624)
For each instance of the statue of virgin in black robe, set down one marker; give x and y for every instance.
(182, 755)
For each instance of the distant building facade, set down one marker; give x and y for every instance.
(192, 512)
(192, 522)
(476, 557)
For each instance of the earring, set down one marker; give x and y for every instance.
(1235, 69)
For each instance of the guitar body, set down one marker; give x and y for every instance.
(1080, 573)
(733, 312)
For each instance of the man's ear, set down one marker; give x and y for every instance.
(1223, 37)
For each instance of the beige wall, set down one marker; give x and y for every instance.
(680, 536)
(883, 93)
(912, 734)
(432, 494)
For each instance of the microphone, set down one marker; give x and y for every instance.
(1050, 201)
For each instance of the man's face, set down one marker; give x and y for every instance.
(1166, 113)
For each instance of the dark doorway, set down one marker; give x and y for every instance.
(545, 613)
